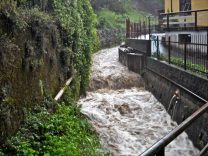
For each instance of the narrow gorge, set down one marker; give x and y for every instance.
(127, 118)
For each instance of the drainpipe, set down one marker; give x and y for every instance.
(61, 92)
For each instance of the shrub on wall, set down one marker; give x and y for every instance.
(78, 20)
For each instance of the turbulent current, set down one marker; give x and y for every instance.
(127, 118)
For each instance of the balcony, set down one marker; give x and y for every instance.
(184, 20)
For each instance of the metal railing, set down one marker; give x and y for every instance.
(158, 148)
(189, 53)
(142, 28)
(185, 20)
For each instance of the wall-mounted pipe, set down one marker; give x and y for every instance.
(61, 92)
(172, 105)
(178, 85)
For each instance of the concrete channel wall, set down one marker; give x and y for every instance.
(163, 80)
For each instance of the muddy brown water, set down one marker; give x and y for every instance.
(127, 118)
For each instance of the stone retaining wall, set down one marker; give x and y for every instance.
(187, 104)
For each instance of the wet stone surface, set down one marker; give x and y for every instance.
(127, 118)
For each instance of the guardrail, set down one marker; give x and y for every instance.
(158, 148)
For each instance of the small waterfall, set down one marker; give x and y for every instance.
(127, 118)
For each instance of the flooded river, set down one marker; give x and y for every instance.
(127, 118)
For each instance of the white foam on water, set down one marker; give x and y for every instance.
(128, 120)
(107, 72)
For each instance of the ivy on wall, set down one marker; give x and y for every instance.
(53, 128)
(78, 25)
(79, 21)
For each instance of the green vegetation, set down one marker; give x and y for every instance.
(79, 21)
(54, 129)
(109, 19)
(199, 68)
(78, 27)
(115, 19)
(189, 65)
(112, 17)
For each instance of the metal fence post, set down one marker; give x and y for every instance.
(185, 23)
(158, 52)
(126, 28)
(207, 56)
(149, 28)
(135, 30)
(168, 26)
(144, 30)
(161, 152)
(140, 29)
(169, 52)
(185, 52)
(196, 21)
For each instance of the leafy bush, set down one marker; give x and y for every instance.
(54, 129)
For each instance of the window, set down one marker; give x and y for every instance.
(185, 5)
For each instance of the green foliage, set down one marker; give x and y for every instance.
(37, 13)
(13, 17)
(111, 18)
(59, 129)
(79, 21)
(6, 3)
(61, 132)
(180, 62)
(1, 153)
(78, 25)
(194, 67)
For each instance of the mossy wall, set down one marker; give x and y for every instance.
(42, 43)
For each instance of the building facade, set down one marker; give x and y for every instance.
(189, 5)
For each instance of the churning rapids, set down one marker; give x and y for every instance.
(127, 118)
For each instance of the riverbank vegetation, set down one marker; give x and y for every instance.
(112, 17)
(60, 37)
(54, 129)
